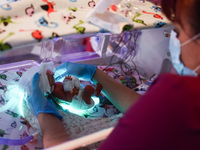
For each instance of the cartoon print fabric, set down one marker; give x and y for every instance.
(26, 22)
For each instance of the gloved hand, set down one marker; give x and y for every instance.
(38, 102)
(83, 71)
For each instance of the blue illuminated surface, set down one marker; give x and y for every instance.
(78, 111)
(59, 77)
(16, 96)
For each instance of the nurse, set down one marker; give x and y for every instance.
(167, 116)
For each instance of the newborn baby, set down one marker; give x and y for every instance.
(73, 92)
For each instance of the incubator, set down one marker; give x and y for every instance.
(126, 39)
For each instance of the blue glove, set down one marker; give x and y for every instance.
(83, 71)
(38, 102)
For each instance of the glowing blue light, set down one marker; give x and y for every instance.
(60, 75)
(21, 98)
(78, 111)
(15, 95)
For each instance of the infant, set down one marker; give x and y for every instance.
(73, 92)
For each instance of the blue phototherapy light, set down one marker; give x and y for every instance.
(16, 96)
(78, 111)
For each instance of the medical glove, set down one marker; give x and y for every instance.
(38, 102)
(83, 71)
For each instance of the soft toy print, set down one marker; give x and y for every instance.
(2, 100)
(154, 15)
(30, 11)
(138, 20)
(156, 8)
(79, 28)
(48, 7)
(72, 91)
(2, 133)
(68, 18)
(11, 113)
(24, 135)
(54, 35)
(36, 34)
(91, 4)
(3, 87)
(73, 9)
(6, 7)
(159, 24)
(5, 21)
(43, 22)
(5, 45)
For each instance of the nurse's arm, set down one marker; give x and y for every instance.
(121, 96)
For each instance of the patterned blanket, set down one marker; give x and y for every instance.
(28, 21)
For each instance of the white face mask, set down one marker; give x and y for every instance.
(175, 51)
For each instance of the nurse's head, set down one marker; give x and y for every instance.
(185, 14)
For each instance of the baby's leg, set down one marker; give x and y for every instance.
(60, 93)
(90, 91)
(87, 93)
(98, 89)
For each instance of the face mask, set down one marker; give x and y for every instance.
(175, 51)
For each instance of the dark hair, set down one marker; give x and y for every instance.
(175, 10)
